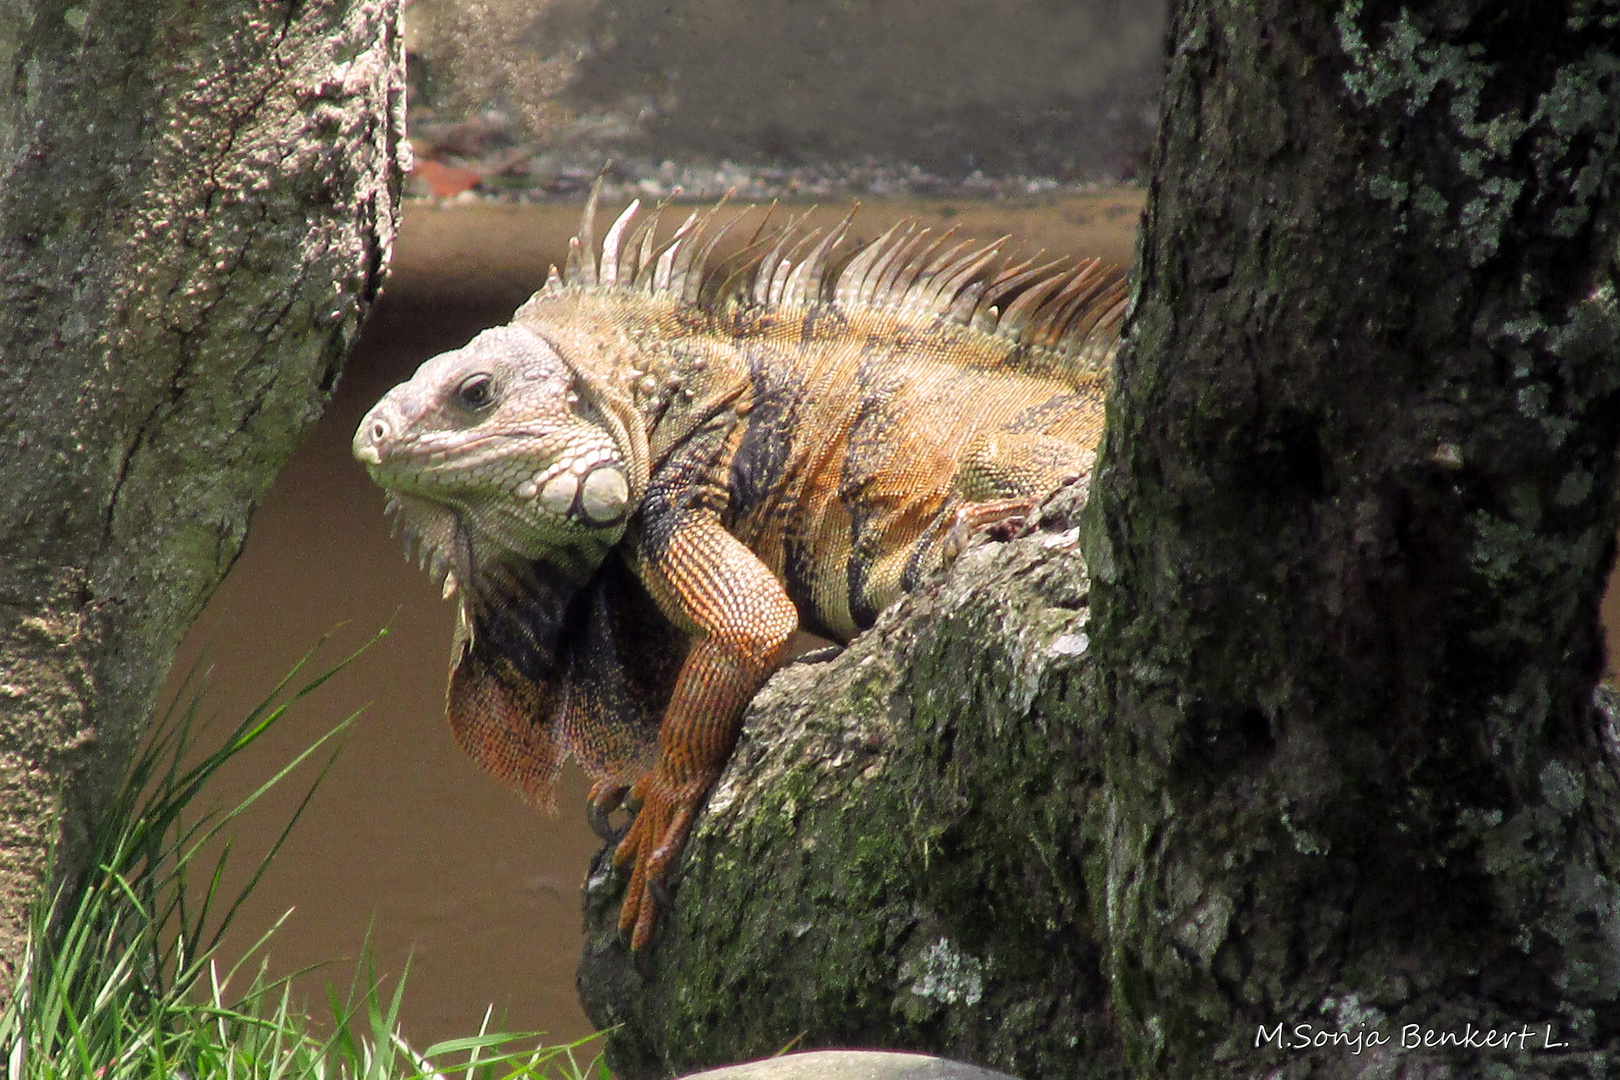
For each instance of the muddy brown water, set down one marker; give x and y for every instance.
(407, 839)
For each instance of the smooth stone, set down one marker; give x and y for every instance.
(850, 1065)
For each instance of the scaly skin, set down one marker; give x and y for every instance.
(646, 483)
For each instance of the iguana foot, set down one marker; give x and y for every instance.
(606, 796)
(651, 846)
(1002, 519)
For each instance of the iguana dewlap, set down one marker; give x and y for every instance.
(642, 485)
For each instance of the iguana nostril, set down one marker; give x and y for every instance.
(365, 443)
(368, 438)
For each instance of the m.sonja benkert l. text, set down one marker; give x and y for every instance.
(1410, 1037)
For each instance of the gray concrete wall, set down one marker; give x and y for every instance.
(937, 88)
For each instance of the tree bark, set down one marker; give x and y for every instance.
(1358, 508)
(196, 206)
(1333, 758)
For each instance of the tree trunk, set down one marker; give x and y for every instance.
(196, 206)
(1333, 759)
(1358, 508)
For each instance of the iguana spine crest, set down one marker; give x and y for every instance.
(1058, 317)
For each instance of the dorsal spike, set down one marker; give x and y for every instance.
(686, 239)
(613, 242)
(1006, 285)
(966, 303)
(674, 250)
(1021, 309)
(698, 274)
(930, 286)
(771, 265)
(986, 312)
(1098, 322)
(778, 281)
(740, 268)
(1049, 317)
(1086, 277)
(663, 275)
(957, 287)
(1044, 329)
(916, 276)
(1079, 292)
(654, 275)
(876, 289)
(1077, 329)
(640, 248)
(852, 279)
(661, 272)
(804, 285)
(758, 238)
(587, 238)
(790, 262)
(881, 281)
(572, 265)
(764, 271)
(645, 243)
(903, 283)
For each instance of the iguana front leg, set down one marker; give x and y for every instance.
(741, 620)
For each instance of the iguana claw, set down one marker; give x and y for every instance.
(606, 796)
(651, 845)
(1001, 519)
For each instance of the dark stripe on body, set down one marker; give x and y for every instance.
(868, 449)
(684, 482)
(762, 455)
(1058, 407)
(770, 450)
(925, 544)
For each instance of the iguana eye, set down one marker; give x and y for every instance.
(476, 391)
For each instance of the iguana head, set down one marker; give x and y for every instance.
(502, 461)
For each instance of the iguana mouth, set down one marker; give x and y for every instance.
(419, 459)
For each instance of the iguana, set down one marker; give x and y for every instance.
(653, 475)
